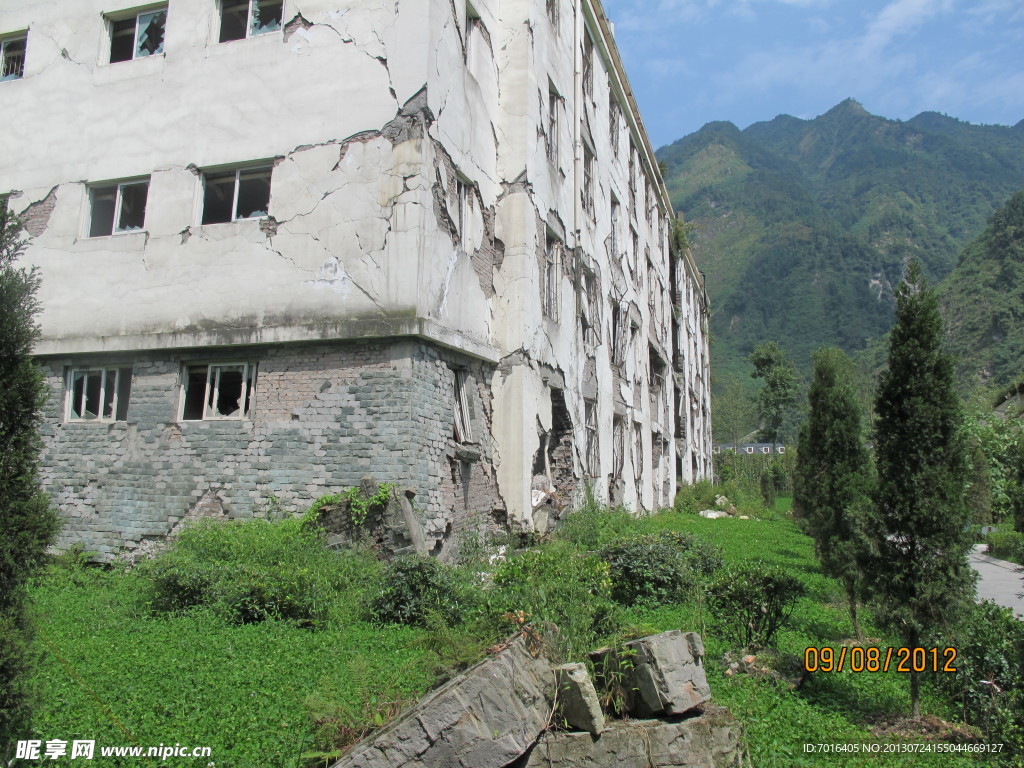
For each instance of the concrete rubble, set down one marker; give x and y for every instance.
(501, 712)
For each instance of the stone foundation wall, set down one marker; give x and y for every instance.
(323, 417)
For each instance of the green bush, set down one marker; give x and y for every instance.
(657, 568)
(988, 685)
(251, 570)
(594, 526)
(415, 588)
(752, 602)
(561, 585)
(696, 497)
(1006, 543)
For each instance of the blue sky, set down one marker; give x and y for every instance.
(694, 61)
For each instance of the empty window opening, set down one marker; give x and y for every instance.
(118, 208)
(618, 446)
(592, 457)
(638, 451)
(232, 195)
(12, 58)
(138, 36)
(588, 64)
(552, 9)
(463, 420)
(614, 117)
(614, 236)
(462, 198)
(552, 276)
(588, 181)
(240, 19)
(620, 332)
(98, 394)
(472, 32)
(588, 308)
(552, 137)
(222, 391)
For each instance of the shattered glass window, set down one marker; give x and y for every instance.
(118, 208)
(138, 36)
(98, 394)
(217, 391)
(239, 194)
(266, 16)
(246, 18)
(253, 193)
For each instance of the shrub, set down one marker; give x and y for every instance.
(696, 497)
(415, 588)
(658, 567)
(251, 570)
(561, 585)
(593, 526)
(752, 601)
(1006, 543)
(988, 685)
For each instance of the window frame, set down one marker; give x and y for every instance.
(591, 437)
(237, 170)
(135, 14)
(116, 409)
(247, 396)
(249, 33)
(5, 41)
(463, 414)
(115, 224)
(552, 276)
(554, 104)
(587, 192)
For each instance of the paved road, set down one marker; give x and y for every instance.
(1000, 581)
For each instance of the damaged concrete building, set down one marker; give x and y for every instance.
(286, 244)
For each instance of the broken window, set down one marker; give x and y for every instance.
(240, 19)
(592, 457)
(632, 180)
(620, 332)
(588, 65)
(614, 117)
(97, 394)
(552, 136)
(552, 276)
(12, 57)
(634, 253)
(118, 208)
(588, 308)
(552, 9)
(638, 451)
(462, 202)
(243, 193)
(472, 30)
(463, 420)
(137, 36)
(219, 391)
(614, 237)
(588, 181)
(618, 446)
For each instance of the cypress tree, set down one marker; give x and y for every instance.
(832, 482)
(27, 524)
(921, 577)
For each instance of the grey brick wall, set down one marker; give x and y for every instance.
(324, 416)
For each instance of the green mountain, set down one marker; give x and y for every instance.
(983, 300)
(803, 226)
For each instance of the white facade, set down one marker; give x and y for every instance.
(472, 176)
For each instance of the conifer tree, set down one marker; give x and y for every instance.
(27, 524)
(776, 399)
(921, 577)
(832, 482)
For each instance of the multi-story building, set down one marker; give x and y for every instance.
(288, 244)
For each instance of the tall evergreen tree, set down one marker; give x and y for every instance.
(921, 577)
(832, 483)
(778, 395)
(27, 524)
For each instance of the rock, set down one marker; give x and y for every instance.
(485, 718)
(710, 740)
(713, 514)
(577, 699)
(660, 674)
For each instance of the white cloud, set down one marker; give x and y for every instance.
(898, 18)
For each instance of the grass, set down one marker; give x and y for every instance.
(266, 693)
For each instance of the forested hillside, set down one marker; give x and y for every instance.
(803, 226)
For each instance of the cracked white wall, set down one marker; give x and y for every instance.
(374, 115)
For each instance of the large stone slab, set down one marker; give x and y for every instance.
(658, 675)
(485, 718)
(710, 740)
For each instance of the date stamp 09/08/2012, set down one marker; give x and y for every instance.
(871, 659)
